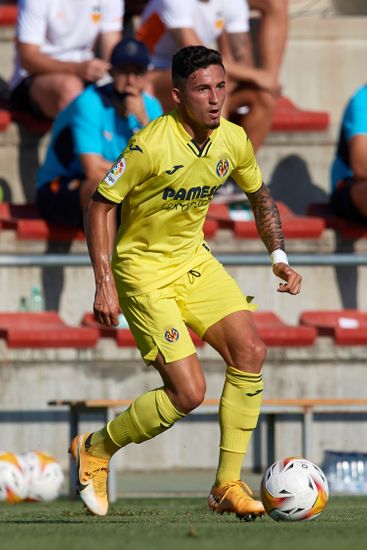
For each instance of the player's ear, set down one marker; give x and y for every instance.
(176, 94)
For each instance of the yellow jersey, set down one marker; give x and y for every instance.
(165, 183)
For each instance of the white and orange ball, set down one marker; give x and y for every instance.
(294, 489)
(45, 476)
(13, 478)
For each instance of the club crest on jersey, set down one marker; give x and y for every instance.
(172, 335)
(96, 14)
(116, 171)
(222, 167)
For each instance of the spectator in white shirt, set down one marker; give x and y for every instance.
(167, 25)
(55, 55)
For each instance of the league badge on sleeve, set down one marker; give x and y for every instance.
(116, 171)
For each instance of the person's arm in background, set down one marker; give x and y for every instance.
(272, 33)
(36, 62)
(111, 26)
(237, 48)
(356, 133)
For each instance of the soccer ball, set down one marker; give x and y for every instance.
(13, 479)
(45, 476)
(294, 489)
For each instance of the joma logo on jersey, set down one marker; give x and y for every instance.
(198, 192)
(116, 171)
(172, 335)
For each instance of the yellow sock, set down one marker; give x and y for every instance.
(149, 415)
(238, 414)
(101, 444)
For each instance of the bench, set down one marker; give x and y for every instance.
(25, 220)
(44, 329)
(272, 330)
(271, 410)
(123, 336)
(289, 118)
(5, 119)
(8, 15)
(294, 226)
(346, 228)
(348, 327)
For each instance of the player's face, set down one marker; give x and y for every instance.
(201, 97)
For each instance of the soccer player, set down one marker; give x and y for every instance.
(165, 279)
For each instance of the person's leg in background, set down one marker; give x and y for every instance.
(272, 34)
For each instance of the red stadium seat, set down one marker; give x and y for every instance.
(25, 220)
(346, 228)
(294, 227)
(346, 326)
(274, 332)
(5, 118)
(8, 15)
(44, 329)
(123, 336)
(210, 228)
(289, 118)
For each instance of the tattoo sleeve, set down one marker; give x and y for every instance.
(267, 218)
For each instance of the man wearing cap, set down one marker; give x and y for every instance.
(90, 133)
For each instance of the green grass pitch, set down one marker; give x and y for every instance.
(176, 524)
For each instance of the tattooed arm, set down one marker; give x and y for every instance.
(269, 227)
(267, 219)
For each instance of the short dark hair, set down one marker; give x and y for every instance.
(191, 58)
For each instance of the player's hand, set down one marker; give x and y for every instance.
(292, 278)
(93, 69)
(106, 305)
(134, 104)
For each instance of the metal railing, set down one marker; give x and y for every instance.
(80, 260)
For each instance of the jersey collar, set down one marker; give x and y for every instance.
(190, 143)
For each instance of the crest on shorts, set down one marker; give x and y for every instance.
(115, 172)
(222, 167)
(172, 335)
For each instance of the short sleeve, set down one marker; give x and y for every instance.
(177, 14)
(247, 174)
(355, 121)
(112, 15)
(133, 167)
(86, 127)
(32, 21)
(237, 16)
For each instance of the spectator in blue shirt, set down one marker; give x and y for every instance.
(91, 132)
(349, 169)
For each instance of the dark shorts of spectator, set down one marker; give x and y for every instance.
(20, 100)
(58, 202)
(342, 205)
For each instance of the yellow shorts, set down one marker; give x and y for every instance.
(198, 299)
